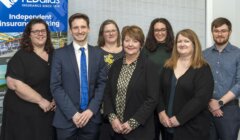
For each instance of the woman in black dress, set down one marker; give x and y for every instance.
(28, 105)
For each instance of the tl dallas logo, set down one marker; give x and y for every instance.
(8, 3)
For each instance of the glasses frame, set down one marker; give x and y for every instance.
(37, 32)
(162, 30)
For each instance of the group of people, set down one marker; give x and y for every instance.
(126, 88)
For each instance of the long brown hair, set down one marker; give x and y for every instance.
(197, 57)
(151, 42)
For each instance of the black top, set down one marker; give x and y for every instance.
(109, 58)
(23, 119)
(190, 104)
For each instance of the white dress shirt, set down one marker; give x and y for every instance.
(78, 54)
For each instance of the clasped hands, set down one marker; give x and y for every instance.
(166, 121)
(215, 108)
(120, 128)
(81, 119)
(46, 105)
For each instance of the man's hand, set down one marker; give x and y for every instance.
(85, 117)
(76, 119)
(213, 105)
(217, 113)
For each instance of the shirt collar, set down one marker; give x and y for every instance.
(77, 46)
(227, 48)
(133, 63)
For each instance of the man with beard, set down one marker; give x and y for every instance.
(224, 60)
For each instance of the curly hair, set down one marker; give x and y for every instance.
(151, 42)
(26, 42)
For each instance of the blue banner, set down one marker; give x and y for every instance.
(15, 14)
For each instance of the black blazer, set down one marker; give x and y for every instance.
(141, 97)
(190, 106)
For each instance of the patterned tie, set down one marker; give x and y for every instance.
(83, 81)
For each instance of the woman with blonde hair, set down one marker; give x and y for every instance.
(186, 87)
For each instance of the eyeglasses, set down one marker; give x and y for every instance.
(37, 32)
(110, 31)
(160, 30)
(220, 31)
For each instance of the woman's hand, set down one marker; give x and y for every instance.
(44, 104)
(126, 128)
(164, 119)
(53, 105)
(174, 122)
(117, 126)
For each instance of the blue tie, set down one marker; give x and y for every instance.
(83, 81)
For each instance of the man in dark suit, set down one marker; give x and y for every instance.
(71, 120)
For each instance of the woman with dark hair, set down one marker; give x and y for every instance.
(28, 105)
(159, 41)
(158, 47)
(109, 42)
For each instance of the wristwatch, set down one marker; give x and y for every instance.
(220, 102)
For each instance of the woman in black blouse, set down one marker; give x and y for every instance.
(131, 90)
(186, 87)
(28, 105)
(109, 41)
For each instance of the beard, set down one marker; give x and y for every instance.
(221, 41)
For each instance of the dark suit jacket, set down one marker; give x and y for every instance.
(65, 85)
(190, 106)
(141, 97)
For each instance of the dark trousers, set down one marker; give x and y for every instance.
(159, 128)
(88, 132)
(168, 136)
(106, 131)
(226, 127)
(118, 137)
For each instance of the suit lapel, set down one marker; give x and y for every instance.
(116, 73)
(71, 54)
(90, 62)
